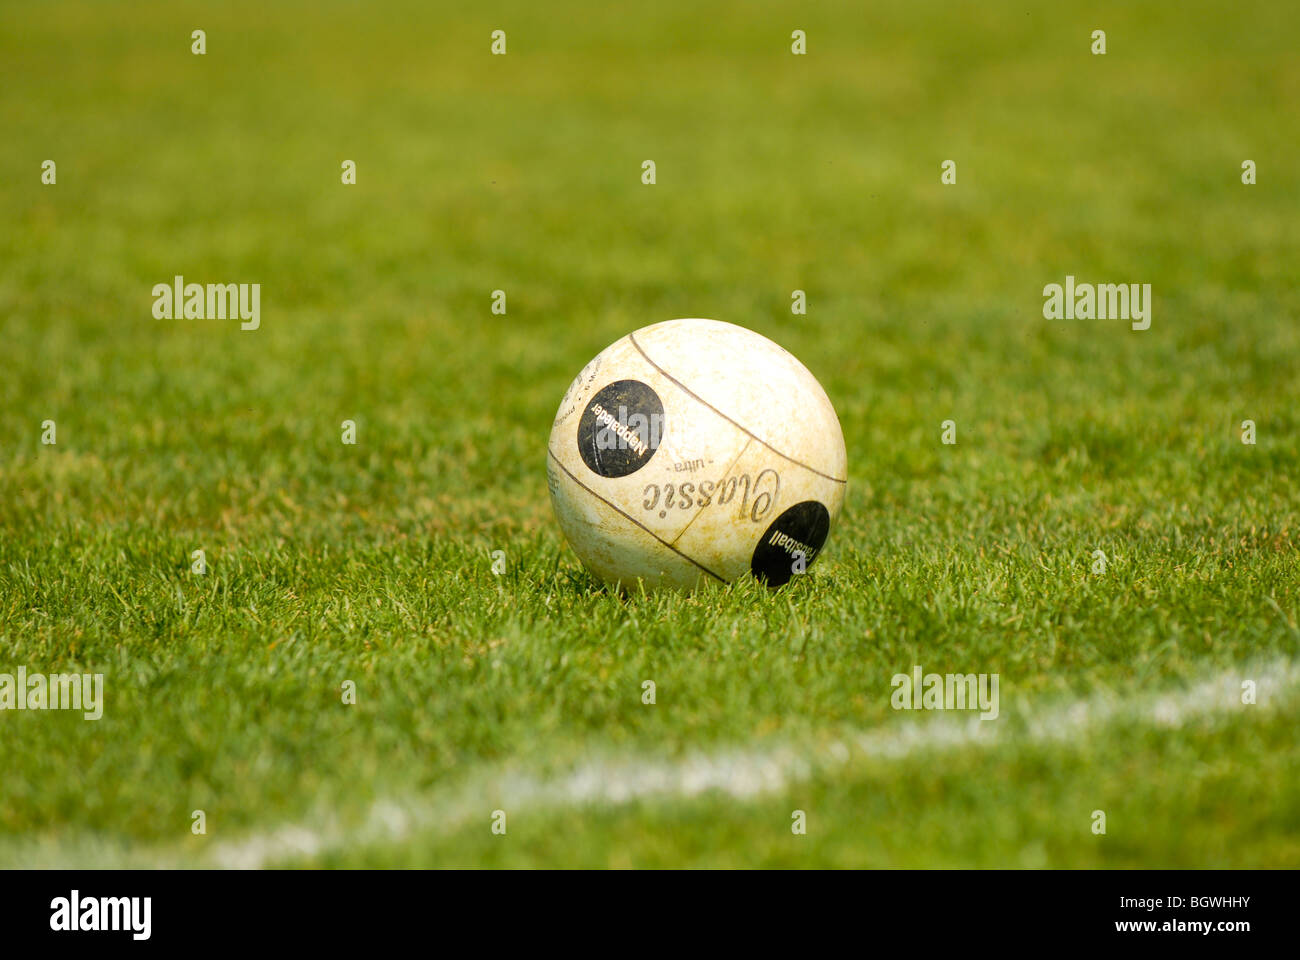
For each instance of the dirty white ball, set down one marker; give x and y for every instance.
(696, 450)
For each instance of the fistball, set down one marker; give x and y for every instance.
(696, 450)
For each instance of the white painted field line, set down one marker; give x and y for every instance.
(742, 773)
(747, 773)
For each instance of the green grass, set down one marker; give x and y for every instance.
(371, 563)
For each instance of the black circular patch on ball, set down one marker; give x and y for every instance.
(621, 428)
(801, 529)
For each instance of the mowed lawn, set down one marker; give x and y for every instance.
(522, 692)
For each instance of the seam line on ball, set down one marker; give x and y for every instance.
(628, 516)
(645, 356)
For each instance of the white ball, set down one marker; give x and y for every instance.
(696, 450)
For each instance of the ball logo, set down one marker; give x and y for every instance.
(791, 542)
(621, 428)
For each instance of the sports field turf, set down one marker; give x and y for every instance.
(522, 692)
